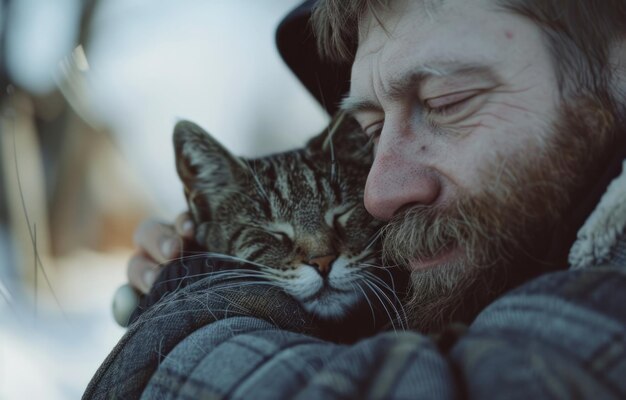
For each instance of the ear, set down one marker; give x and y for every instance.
(208, 171)
(344, 140)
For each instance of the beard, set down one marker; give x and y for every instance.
(499, 237)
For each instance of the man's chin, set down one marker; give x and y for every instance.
(449, 289)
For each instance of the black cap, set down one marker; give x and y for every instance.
(327, 81)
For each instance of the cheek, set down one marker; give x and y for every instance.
(497, 140)
(361, 235)
(280, 256)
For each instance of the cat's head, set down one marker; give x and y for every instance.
(299, 215)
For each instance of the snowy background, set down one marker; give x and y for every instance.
(86, 126)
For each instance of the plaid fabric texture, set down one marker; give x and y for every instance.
(561, 336)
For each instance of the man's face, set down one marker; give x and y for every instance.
(462, 103)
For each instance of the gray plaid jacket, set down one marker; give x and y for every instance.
(560, 336)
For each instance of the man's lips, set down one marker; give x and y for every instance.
(445, 256)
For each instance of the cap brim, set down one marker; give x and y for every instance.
(327, 81)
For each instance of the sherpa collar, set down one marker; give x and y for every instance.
(604, 232)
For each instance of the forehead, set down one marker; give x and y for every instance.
(437, 37)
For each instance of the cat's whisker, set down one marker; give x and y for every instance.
(366, 299)
(400, 316)
(367, 266)
(387, 270)
(368, 259)
(266, 271)
(375, 291)
(240, 274)
(391, 288)
(372, 266)
(221, 256)
(378, 280)
(374, 239)
(236, 277)
(187, 256)
(389, 274)
(239, 285)
(232, 275)
(222, 275)
(204, 298)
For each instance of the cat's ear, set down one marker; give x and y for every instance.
(344, 140)
(204, 165)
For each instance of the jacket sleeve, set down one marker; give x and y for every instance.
(562, 335)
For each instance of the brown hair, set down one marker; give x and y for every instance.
(336, 25)
(579, 33)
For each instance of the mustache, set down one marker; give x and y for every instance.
(422, 232)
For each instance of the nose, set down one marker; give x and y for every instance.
(398, 178)
(323, 264)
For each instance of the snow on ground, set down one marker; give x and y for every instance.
(53, 355)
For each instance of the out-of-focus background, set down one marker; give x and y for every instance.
(89, 93)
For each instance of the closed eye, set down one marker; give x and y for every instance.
(374, 130)
(340, 220)
(282, 231)
(281, 236)
(449, 103)
(338, 215)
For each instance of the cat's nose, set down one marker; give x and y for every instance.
(323, 264)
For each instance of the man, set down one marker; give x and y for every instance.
(497, 126)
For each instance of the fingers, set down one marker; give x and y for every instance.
(142, 272)
(184, 226)
(158, 241)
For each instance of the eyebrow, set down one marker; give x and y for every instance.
(399, 86)
(351, 105)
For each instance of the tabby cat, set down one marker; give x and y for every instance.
(298, 216)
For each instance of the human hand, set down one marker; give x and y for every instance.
(157, 243)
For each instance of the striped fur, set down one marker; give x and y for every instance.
(287, 211)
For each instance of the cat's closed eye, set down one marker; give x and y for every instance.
(283, 237)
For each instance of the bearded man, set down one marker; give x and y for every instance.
(499, 142)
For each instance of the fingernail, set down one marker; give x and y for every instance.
(168, 247)
(149, 276)
(187, 227)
